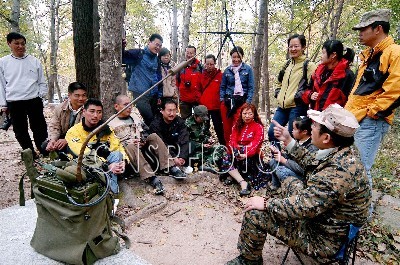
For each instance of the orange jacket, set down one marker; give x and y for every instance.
(376, 91)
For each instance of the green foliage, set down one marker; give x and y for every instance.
(140, 22)
(386, 170)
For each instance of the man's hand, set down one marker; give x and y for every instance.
(51, 146)
(61, 144)
(277, 154)
(117, 168)
(254, 203)
(281, 133)
(179, 161)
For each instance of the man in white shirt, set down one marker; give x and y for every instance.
(22, 86)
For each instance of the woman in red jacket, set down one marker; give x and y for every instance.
(245, 143)
(332, 81)
(210, 82)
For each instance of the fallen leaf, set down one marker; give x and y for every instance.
(381, 247)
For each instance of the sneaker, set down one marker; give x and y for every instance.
(240, 260)
(176, 173)
(157, 185)
(208, 167)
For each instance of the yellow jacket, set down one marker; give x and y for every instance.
(291, 80)
(376, 95)
(76, 135)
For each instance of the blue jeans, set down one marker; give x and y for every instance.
(114, 157)
(281, 173)
(367, 139)
(283, 117)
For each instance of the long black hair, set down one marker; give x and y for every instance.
(336, 46)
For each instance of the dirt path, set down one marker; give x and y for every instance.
(198, 221)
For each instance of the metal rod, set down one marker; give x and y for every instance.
(172, 71)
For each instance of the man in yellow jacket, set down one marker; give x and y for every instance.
(105, 142)
(376, 92)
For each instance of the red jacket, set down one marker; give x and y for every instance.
(188, 83)
(251, 136)
(209, 87)
(335, 89)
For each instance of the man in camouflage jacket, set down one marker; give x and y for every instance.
(201, 144)
(312, 217)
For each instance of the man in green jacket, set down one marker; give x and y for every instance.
(314, 215)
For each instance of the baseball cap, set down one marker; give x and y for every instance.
(371, 17)
(201, 111)
(336, 119)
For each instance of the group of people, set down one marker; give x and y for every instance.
(325, 182)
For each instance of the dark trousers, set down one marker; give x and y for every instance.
(186, 109)
(33, 109)
(218, 127)
(147, 106)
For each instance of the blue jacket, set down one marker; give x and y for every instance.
(228, 82)
(146, 71)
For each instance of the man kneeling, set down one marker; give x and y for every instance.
(314, 215)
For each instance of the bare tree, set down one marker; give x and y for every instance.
(266, 101)
(257, 52)
(15, 15)
(186, 22)
(336, 19)
(174, 39)
(86, 36)
(54, 40)
(111, 81)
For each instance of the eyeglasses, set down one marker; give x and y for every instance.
(159, 45)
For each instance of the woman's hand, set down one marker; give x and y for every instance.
(241, 157)
(314, 96)
(254, 203)
(277, 154)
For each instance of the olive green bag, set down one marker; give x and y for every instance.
(73, 223)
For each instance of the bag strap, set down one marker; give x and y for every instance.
(305, 69)
(209, 82)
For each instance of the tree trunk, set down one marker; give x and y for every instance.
(85, 32)
(174, 41)
(54, 38)
(186, 23)
(15, 15)
(111, 81)
(337, 16)
(257, 53)
(265, 71)
(205, 29)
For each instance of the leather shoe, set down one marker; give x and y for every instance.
(246, 191)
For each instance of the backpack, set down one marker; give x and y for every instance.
(74, 218)
(138, 55)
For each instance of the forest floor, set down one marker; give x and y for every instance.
(197, 221)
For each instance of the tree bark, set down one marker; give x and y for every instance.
(337, 16)
(186, 24)
(15, 15)
(174, 41)
(111, 81)
(265, 71)
(85, 32)
(54, 39)
(257, 53)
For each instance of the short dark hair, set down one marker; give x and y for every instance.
(303, 123)
(237, 49)
(191, 47)
(301, 38)
(385, 26)
(332, 46)
(155, 36)
(211, 56)
(168, 101)
(15, 36)
(75, 86)
(92, 101)
(338, 140)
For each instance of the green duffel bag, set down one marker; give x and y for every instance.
(73, 234)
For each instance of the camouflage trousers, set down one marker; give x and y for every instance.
(295, 233)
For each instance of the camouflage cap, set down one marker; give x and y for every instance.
(201, 111)
(371, 17)
(337, 119)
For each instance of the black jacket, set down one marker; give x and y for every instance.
(173, 134)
